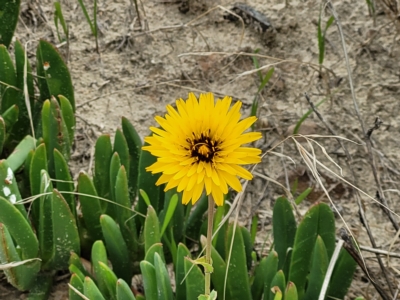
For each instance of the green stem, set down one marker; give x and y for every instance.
(209, 244)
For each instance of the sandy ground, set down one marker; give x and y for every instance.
(142, 66)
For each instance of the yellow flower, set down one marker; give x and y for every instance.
(199, 146)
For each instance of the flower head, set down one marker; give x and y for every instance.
(199, 147)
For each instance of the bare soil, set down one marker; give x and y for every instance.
(147, 61)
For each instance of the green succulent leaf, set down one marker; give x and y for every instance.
(8, 79)
(319, 265)
(194, 281)
(26, 106)
(91, 290)
(291, 291)
(121, 147)
(22, 277)
(284, 231)
(75, 261)
(151, 230)
(117, 249)
(102, 158)
(9, 187)
(124, 292)
(53, 75)
(99, 254)
(135, 147)
(164, 288)
(65, 232)
(278, 284)
(2, 134)
(10, 117)
(170, 212)
(90, 206)
(68, 117)
(9, 12)
(180, 285)
(237, 265)
(109, 280)
(155, 248)
(65, 184)
(271, 268)
(342, 275)
(149, 280)
(17, 158)
(77, 283)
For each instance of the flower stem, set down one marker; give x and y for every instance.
(208, 244)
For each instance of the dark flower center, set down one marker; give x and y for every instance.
(202, 148)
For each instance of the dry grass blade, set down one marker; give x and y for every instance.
(17, 263)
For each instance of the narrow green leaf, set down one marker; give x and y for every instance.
(77, 283)
(123, 291)
(17, 158)
(121, 147)
(303, 195)
(237, 265)
(99, 254)
(23, 125)
(151, 230)
(291, 291)
(8, 80)
(109, 279)
(91, 290)
(65, 184)
(8, 20)
(149, 280)
(319, 265)
(75, 260)
(164, 288)
(53, 75)
(147, 182)
(115, 165)
(45, 228)
(193, 223)
(326, 228)
(194, 281)
(23, 276)
(170, 212)
(280, 282)
(135, 148)
(284, 231)
(68, 117)
(117, 249)
(90, 206)
(302, 250)
(9, 187)
(58, 16)
(19, 228)
(155, 248)
(102, 158)
(180, 287)
(10, 117)
(271, 267)
(342, 276)
(65, 232)
(2, 134)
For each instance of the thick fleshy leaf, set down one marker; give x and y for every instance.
(271, 267)
(9, 187)
(155, 248)
(194, 281)
(23, 276)
(291, 291)
(68, 116)
(65, 232)
(124, 292)
(65, 184)
(77, 283)
(90, 206)
(149, 280)
(121, 147)
(8, 78)
(109, 280)
(164, 288)
(319, 265)
(23, 125)
(17, 158)
(342, 275)
(99, 254)
(278, 283)
(284, 230)
(237, 265)
(135, 147)
(53, 75)
(117, 249)
(91, 290)
(151, 230)
(102, 158)
(8, 20)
